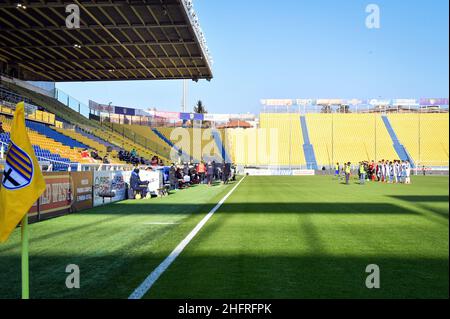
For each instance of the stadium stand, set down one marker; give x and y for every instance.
(290, 137)
(46, 148)
(50, 104)
(90, 136)
(145, 132)
(425, 137)
(308, 141)
(219, 139)
(349, 137)
(399, 147)
(252, 147)
(209, 149)
(123, 135)
(47, 131)
(308, 149)
(104, 134)
(93, 143)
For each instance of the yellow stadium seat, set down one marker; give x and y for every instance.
(425, 136)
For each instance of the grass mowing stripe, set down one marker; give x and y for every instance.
(113, 248)
(140, 291)
(312, 237)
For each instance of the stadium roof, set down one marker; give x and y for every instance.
(117, 40)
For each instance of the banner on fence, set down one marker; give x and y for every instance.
(109, 186)
(56, 199)
(81, 185)
(267, 172)
(303, 172)
(433, 102)
(155, 179)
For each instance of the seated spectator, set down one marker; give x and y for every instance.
(187, 180)
(84, 153)
(180, 178)
(137, 185)
(95, 155)
(121, 155)
(106, 159)
(1, 128)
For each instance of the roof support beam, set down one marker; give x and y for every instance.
(96, 45)
(97, 27)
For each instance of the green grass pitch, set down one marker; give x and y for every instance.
(275, 237)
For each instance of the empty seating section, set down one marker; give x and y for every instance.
(146, 132)
(425, 137)
(349, 137)
(92, 143)
(82, 139)
(125, 143)
(290, 137)
(46, 149)
(196, 144)
(95, 138)
(319, 129)
(256, 147)
(50, 133)
(6, 110)
(42, 116)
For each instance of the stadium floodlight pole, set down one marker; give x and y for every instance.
(290, 136)
(419, 132)
(375, 116)
(183, 103)
(109, 111)
(332, 137)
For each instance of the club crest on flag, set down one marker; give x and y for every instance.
(18, 171)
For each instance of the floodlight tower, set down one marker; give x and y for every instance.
(184, 99)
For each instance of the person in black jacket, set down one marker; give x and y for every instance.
(210, 172)
(137, 185)
(172, 177)
(226, 172)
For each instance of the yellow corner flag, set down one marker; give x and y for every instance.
(22, 181)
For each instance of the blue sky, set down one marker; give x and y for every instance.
(302, 49)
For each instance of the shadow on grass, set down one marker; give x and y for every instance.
(234, 276)
(422, 198)
(155, 207)
(427, 202)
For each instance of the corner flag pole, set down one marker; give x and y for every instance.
(25, 268)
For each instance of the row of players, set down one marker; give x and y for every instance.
(384, 171)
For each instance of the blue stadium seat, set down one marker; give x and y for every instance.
(43, 154)
(47, 131)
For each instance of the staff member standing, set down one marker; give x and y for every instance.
(336, 170)
(362, 174)
(201, 169)
(348, 171)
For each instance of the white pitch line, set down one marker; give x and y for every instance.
(145, 286)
